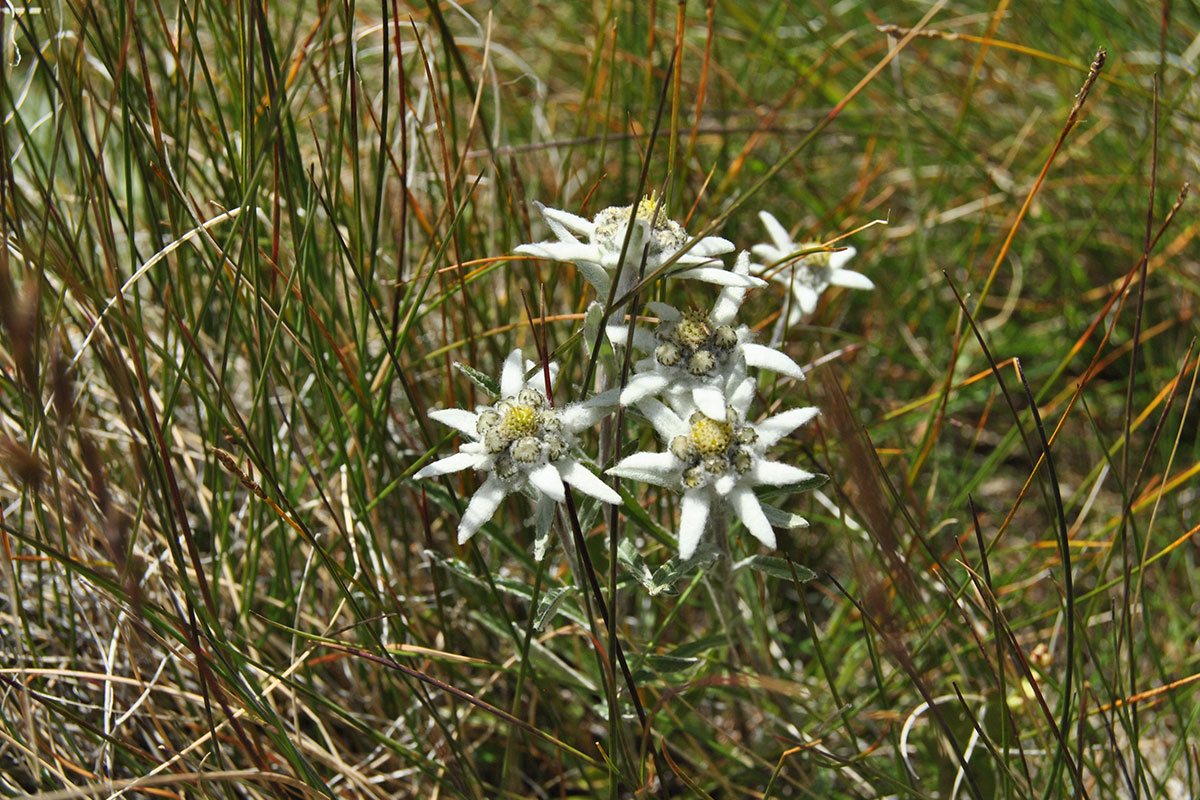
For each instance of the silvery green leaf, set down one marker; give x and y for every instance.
(783, 519)
(632, 560)
(591, 322)
(542, 521)
(485, 382)
(670, 573)
(665, 664)
(547, 605)
(777, 568)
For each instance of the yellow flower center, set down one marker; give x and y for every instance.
(818, 259)
(645, 212)
(711, 437)
(519, 420)
(693, 330)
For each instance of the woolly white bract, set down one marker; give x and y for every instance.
(521, 442)
(697, 356)
(717, 461)
(807, 276)
(595, 246)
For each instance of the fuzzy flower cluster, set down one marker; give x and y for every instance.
(521, 442)
(694, 381)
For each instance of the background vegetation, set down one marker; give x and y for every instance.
(244, 243)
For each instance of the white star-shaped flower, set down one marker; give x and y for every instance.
(521, 441)
(717, 461)
(697, 356)
(807, 276)
(595, 246)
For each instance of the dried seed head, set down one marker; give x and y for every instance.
(715, 465)
(505, 468)
(526, 449)
(724, 337)
(693, 477)
(487, 420)
(555, 447)
(668, 354)
(681, 448)
(531, 397)
(494, 440)
(549, 420)
(702, 362)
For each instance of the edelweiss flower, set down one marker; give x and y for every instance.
(713, 460)
(697, 355)
(598, 256)
(808, 276)
(521, 441)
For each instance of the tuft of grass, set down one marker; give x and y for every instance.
(244, 246)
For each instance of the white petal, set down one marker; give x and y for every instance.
(568, 220)
(710, 400)
(658, 468)
(559, 251)
(850, 279)
(457, 418)
(771, 255)
(721, 277)
(724, 484)
(776, 473)
(806, 298)
(585, 481)
(711, 246)
(795, 312)
(772, 429)
(779, 235)
(643, 339)
(559, 230)
(666, 422)
(485, 502)
(512, 374)
(537, 379)
(693, 515)
(617, 334)
(579, 416)
(663, 311)
(763, 357)
(746, 506)
(641, 386)
(546, 479)
(454, 463)
(840, 258)
(743, 395)
(730, 299)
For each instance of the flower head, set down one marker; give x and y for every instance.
(595, 246)
(807, 276)
(521, 441)
(717, 460)
(697, 356)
